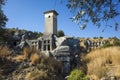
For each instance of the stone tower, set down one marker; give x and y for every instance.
(50, 22)
(48, 39)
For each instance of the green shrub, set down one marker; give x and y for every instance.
(77, 75)
(60, 33)
(0, 77)
(106, 45)
(116, 42)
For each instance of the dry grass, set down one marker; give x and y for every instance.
(117, 71)
(103, 61)
(4, 51)
(36, 75)
(27, 51)
(54, 65)
(35, 58)
(19, 58)
(28, 54)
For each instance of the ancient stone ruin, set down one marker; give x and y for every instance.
(91, 44)
(64, 49)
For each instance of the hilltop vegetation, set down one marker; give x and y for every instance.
(111, 42)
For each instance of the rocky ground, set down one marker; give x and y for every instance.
(24, 70)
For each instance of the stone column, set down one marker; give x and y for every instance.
(50, 44)
(42, 45)
(46, 45)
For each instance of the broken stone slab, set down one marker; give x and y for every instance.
(60, 40)
(47, 53)
(62, 49)
(62, 53)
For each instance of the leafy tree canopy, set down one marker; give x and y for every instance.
(96, 11)
(60, 33)
(2, 2)
(3, 18)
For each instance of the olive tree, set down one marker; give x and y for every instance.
(96, 11)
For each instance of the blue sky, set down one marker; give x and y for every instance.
(28, 14)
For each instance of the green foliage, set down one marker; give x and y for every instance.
(2, 2)
(0, 77)
(77, 75)
(95, 37)
(106, 45)
(3, 20)
(101, 37)
(37, 34)
(3, 35)
(96, 11)
(116, 42)
(60, 33)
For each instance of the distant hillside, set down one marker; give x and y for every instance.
(14, 33)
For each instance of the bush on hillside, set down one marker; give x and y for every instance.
(106, 45)
(77, 75)
(116, 42)
(60, 33)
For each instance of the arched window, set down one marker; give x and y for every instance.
(49, 16)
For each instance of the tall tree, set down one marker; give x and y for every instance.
(3, 20)
(96, 11)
